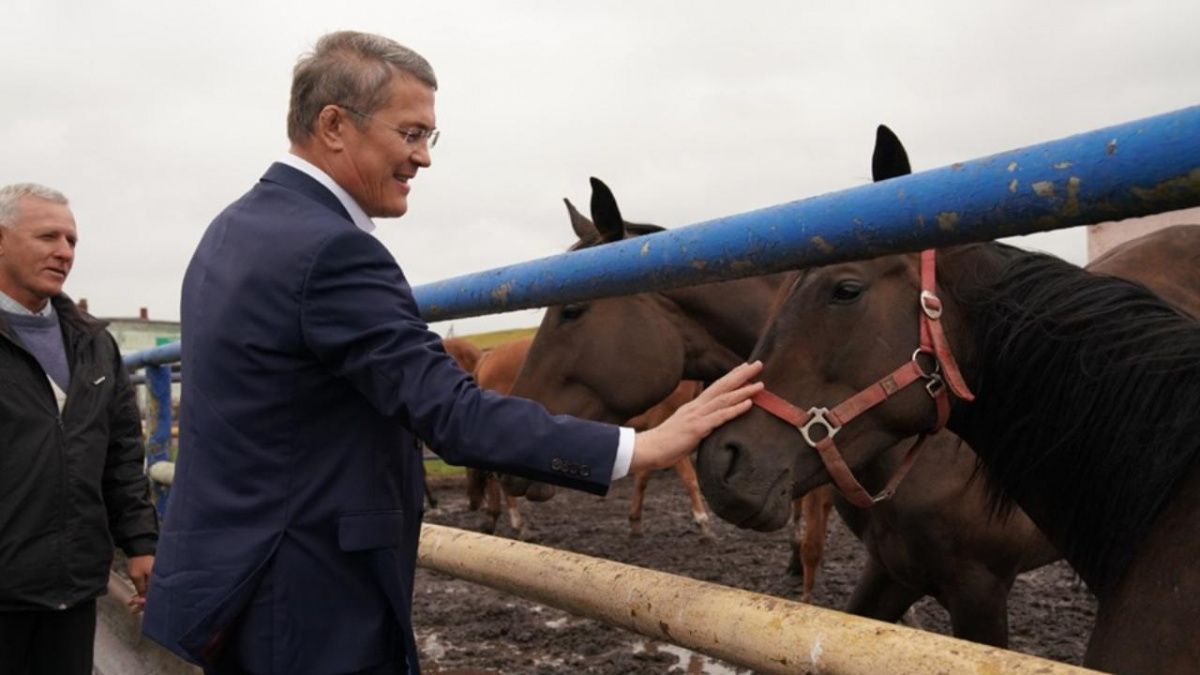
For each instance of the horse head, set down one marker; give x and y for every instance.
(607, 359)
(836, 331)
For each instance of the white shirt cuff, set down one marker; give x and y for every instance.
(624, 453)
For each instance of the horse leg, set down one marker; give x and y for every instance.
(640, 480)
(795, 566)
(514, 516)
(815, 507)
(979, 612)
(492, 512)
(687, 475)
(878, 596)
(429, 494)
(476, 487)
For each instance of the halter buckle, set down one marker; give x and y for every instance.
(931, 305)
(935, 386)
(817, 416)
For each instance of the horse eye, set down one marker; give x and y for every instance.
(846, 292)
(573, 311)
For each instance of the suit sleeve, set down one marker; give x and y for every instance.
(359, 317)
(132, 519)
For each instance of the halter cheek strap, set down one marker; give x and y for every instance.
(932, 343)
(933, 338)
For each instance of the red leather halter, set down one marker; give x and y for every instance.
(944, 371)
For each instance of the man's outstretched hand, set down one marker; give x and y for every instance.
(677, 437)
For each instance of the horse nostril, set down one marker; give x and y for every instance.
(734, 455)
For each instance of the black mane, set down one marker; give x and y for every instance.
(1088, 400)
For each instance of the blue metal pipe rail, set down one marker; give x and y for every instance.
(1133, 169)
(157, 356)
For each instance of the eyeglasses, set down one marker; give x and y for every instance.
(411, 136)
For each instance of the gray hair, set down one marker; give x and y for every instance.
(11, 194)
(351, 69)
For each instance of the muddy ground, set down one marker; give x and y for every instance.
(464, 628)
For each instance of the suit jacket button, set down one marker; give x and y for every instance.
(556, 464)
(584, 471)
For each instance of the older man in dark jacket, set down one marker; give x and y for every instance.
(71, 455)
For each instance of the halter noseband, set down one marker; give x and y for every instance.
(943, 372)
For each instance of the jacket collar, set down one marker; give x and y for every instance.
(294, 179)
(69, 315)
(75, 318)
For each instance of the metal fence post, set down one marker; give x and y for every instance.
(158, 435)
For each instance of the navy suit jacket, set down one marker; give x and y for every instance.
(290, 540)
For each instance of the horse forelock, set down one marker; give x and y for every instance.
(1088, 391)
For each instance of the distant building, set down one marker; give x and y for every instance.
(141, 332)
(138, 333)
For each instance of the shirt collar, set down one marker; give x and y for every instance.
(360, 217)
(11, 306)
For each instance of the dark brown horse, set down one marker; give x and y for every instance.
(1086, 395)
(497, 370)
(916, 545)
(612, 358)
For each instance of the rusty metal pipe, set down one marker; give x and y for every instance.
(767, 634)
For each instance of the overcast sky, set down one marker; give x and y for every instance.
(152, 116)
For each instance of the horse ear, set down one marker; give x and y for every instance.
(605, 212)
(890, 160)
(584, 229)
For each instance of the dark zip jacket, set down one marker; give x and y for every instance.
(71, 484)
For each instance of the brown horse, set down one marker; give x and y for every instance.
(498, 369)
(1085, 394)
(686, 391)
(612, 358)
(934, 537)
(495, 370)
(916, 545)
(466, 355)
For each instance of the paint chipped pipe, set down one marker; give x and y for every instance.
(1125, 171)
(1133, 169)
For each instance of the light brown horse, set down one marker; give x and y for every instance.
(916, 545)
(1085, 396)
(495, 370)
(466, 355)
(686, 391)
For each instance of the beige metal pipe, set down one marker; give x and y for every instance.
(120, 648)
(120, 590)
(767, 634)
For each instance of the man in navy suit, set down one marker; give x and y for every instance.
(290, 542)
